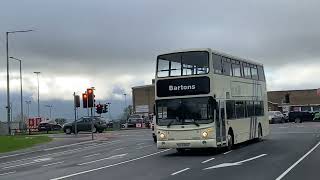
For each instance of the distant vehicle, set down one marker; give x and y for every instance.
(154, 129)
(84, 124)
(276, 117)
(133, 120)
(47, 126)
(300, 116)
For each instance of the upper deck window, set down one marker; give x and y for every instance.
(183, 64)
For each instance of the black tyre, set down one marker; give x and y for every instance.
(68, 130)
(259, 133)
(100, 131)
(230, 139)
(297, 120)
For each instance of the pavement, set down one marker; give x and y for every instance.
(290, 152)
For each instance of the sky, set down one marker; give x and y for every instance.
(112, 45)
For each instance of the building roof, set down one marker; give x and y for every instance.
(296, 97)
(144, 86)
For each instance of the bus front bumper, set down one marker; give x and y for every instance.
(205, 143)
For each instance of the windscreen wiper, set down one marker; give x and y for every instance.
(197, 124)
(169, 124)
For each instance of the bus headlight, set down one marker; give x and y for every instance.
(204, 134)
(162, 136)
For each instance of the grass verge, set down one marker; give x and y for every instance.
(12, 143)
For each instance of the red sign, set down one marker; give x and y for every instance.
(33, 122)
(318, 92)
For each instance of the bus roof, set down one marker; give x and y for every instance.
(215, 52)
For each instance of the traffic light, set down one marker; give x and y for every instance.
(85, 100)
(99, 109)
(105, 108)
(77, 101)
(91, 98)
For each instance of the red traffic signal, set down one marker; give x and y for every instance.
(91, 96)
(99, 109)
(85, 100)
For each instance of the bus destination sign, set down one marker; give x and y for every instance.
(183, 86)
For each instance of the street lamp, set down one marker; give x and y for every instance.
(28, 104)
(8, 78)
(50, 107)
(21, 96)
(38, 93)
(125, 100)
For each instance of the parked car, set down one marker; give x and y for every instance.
(276, 117)
(300, 116)
(47, 126)
(84, 124)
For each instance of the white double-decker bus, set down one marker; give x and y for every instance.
(208, 99)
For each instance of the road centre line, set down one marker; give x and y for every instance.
(60, 153)
(12, 172)
(228, 152)
(111, 157)
(178, 172)
(112, 165)
(118, 149)
(141, 147)
(207, 160)
(297, 162)
(33, 162)
(91, 155)
(53, 164)
(140, 144)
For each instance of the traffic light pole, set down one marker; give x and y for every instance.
(75, 114)
(91, 124)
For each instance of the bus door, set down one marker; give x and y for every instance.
(253, 124)
(220, 123)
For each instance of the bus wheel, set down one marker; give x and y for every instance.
(230, 141)
(259, 133)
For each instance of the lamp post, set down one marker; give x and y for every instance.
(21, 96)
(125, 100)
(28, 104)
(8, 78)
(37, 73)
(50, 107)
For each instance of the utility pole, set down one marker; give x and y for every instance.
(37, 73)
(21, 95)
(28, 104)
(8, 78)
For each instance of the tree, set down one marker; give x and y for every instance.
(127, 112)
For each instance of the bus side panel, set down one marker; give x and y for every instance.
(241, 129)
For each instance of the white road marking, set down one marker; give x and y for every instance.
(118, 149)
(234, 163)
(91, 155)
(283, 127)
(141, 147)
(175, 173)
(112, 165)
(68, 145)
(53, 164)
(297, 162)
(12, 155)
(111, 157)
(12, 172)
(61, 153)
(227, 152)
(140, 144)
(23, 164)
(207, 160)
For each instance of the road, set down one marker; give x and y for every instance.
(290, 152)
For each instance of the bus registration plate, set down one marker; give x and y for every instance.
(180, 145)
